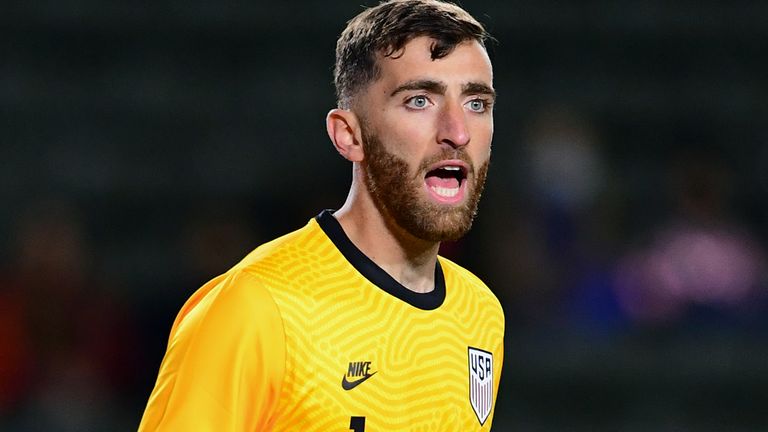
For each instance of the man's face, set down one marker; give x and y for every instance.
(427, 127)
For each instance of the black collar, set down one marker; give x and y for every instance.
(426, 301)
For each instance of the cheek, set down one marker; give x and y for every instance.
(482, 135)
(409, 140)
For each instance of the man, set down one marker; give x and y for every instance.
(354, 322)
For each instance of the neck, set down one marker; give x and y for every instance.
(410, 260)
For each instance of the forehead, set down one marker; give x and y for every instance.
(467, 62)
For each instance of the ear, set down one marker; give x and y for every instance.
(343, 128)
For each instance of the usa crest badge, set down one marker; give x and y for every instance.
(480, 382)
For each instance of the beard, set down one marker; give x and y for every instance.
(399, 195)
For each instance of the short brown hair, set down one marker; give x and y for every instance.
(387, 28)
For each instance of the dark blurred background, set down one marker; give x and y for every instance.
(146, 147)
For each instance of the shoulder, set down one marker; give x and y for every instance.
(226, 350)
(456, 273)
(227, 300)
(249, 282)
(268, 277)
(288, 251)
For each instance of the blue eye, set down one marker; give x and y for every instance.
(477, 105)
(418, 102)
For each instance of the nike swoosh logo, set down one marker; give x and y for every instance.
(349, 385)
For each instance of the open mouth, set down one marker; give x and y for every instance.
(447, 181)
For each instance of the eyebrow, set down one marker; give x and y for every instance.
(478, 88)
(438, 87)
(431, 86)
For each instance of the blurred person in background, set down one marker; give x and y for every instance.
(700, 257)
(323, 328)
(554, 261)
(68, 351)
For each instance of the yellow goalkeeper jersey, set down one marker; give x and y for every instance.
(308, 334)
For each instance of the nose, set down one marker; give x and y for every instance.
(452, 127)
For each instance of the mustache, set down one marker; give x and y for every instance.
(448, 154)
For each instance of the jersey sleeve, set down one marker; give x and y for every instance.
(225, 361)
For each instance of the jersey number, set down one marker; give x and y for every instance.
(357, 424)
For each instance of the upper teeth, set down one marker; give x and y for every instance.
(451, 168)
